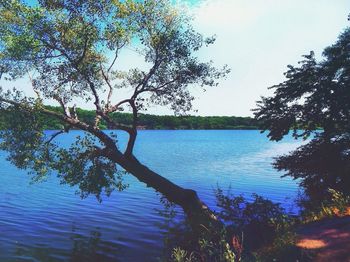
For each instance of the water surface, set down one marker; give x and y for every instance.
(49, 222)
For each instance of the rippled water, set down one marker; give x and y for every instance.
(48, 222)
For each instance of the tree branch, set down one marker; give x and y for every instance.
(63, 105)
(65, 130)
(115, 58)
(115, 107)
(95, 94)
(133, 131)
(151, 72)
(104, 138)
(110, 93)
(113, 125)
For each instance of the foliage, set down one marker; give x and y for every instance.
(258, 220)
(255, 230)
(180, 255)
(268, 232)
(181, 243)
(338, 204)
(68, 43)
(321, 164)
(70, 50)
(314, 94)
(206, 249)
(282, 248)
(24, 137)
(151, 121)
(77, 165)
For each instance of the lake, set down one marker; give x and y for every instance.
(49, 222)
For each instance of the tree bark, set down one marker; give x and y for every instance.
(197, 212)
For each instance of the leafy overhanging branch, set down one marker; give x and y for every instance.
(65, 47)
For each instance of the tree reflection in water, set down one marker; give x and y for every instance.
(85, 248)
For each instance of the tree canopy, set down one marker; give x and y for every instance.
(315, 94)
(70, 50)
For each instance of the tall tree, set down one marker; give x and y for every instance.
(314, 102)
(70, 50)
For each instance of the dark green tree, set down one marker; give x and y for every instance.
(314, 102)
(70, 51)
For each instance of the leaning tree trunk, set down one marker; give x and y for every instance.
(197, 212)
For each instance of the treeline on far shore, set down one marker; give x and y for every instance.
(147, 121)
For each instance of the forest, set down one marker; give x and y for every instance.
(152, 122)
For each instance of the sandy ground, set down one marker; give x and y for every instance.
(327, 240)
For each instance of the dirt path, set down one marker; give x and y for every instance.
(327, 240)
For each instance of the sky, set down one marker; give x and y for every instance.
(257, 39)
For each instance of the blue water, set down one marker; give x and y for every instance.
(49, 222)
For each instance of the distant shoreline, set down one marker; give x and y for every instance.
(243, 129)
(149, 122)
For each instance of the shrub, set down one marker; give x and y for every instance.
(260, 220)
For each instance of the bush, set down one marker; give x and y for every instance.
(255, 230)
(260, 220)
(335, 203)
